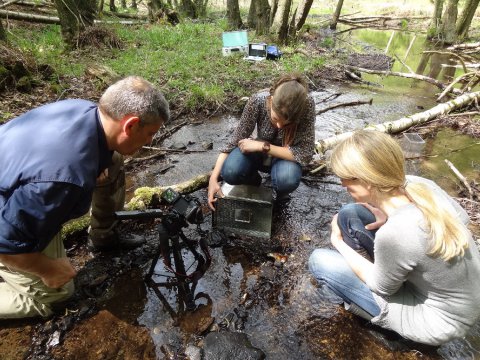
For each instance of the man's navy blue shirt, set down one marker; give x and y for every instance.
(50, 158)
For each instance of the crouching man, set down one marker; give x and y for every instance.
(50, 160)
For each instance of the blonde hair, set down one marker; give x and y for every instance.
(376, 159)
(289, 99)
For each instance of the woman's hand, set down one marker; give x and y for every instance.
(380, 217)
(250, 146)
(214, 190)
(336, 237)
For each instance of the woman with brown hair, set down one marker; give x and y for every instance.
(285, 119)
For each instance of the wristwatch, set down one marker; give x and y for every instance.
(266, 147)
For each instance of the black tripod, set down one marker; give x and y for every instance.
(171, 242)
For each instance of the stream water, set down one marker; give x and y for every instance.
(277, 305)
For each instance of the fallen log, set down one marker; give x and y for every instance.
(437, 83)
(352, 103)
(16, 15)
(402, 124)
(144, 196)
(142, 199)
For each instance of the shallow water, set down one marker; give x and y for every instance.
(277, 305)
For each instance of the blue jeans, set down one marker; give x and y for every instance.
(330, 268)
(242, 169)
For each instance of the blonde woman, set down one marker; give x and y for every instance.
(420, 266)
(285, 119)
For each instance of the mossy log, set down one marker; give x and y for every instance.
(143, 198)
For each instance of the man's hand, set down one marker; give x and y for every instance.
(59, 273)
(54, 273)
(250, 146)
(380, 217)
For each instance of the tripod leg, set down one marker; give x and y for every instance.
(185, 294)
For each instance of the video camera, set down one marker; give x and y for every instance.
(185, 209)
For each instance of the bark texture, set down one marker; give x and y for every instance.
(233, 15)
(336, 15)
(465, 19)
(280, 22)
(302, 12)
(74, 17)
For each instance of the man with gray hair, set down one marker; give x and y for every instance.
(52, 159)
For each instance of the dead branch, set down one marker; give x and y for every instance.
(406, 75)
(464, 46)
(145, 158)
(357, 78)
(452, 84)
(185, 151)
(169, 132)
(8, 3)
(460, 177)
(351, 103)
(16, 15)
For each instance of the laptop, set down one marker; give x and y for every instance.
(257, 52)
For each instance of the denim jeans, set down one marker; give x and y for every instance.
(242, 169)
(330, 268)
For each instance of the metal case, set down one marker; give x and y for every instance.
(244, 210)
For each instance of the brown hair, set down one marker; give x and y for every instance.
(289, 99)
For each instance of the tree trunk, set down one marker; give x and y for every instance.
(112, 6)
(134, 4)
(448, 32)
(3, 34)
(123, 4)
(74, 17)
(158, 10)
(336, 15)
(263, 17)
(201, 7)
(101, 4)
(233, 15)
(436, 24)
(302, 13)
(280, 23)
(273, 10)
(252, 15)
(402, 124)
(188, 8)
(463, 23)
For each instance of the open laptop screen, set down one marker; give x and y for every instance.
(257, 50)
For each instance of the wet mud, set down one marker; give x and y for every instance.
(260, 288)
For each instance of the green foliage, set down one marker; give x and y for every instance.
(328, 42)
(185, 60)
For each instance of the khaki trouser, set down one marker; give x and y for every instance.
(108, 197)
(25, 295)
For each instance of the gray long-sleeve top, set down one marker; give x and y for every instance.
(423, 298)
(256, 113)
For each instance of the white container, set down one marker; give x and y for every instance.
(412, 144)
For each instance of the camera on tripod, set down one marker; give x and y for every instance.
(185, 209)
(173, 243)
